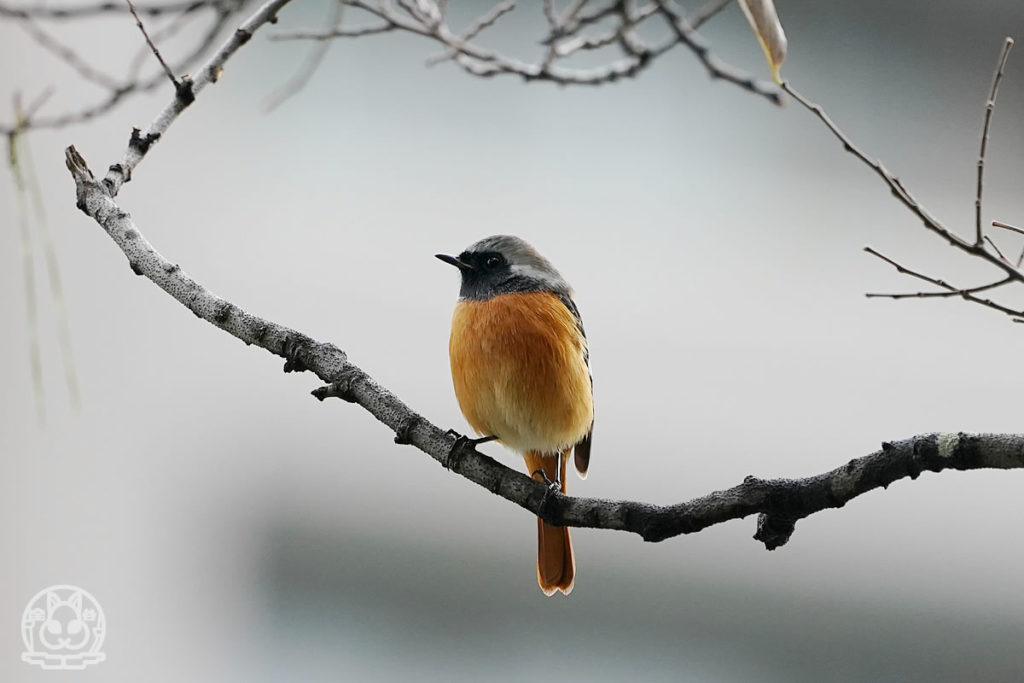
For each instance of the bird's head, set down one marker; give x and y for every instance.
(504, 264)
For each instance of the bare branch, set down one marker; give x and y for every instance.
(482, 22)
(66, 55)
(780, 503)
(562, 41)
(314, 57)
(714, 66)
(47, 11)
(223, 12)
(977, 249)
(166, 32)
(967, 293)
(1011, 270)
(990, 105)
(152, 47)
(712, 8)
(995, 247)
(1007, 226)
(140, 142)
(34, 106)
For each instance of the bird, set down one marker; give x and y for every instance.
(521, 370)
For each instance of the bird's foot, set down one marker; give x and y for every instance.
(462, 439)
(463, 444)
(554, 486)
(551, 491)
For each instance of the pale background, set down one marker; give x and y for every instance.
(234, 529)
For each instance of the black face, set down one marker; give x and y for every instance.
(486, 274)
(482, 274)
(483, 263)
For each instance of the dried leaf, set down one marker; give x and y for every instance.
(765, 21)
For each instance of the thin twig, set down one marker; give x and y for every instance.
(709, 10)
(990, 105)
(66, 55)
(965, 293)
(482, 22)
(714, 66)
(140, 142)
(166, 32)
(36, 104)
(315, 55)
(1007, 226)
(46, 11)
(903, 270)
(561, 42)
(900, 191)
(224, 11)
(159, 57)
(975, 249)
(939, 295)
(996, 248)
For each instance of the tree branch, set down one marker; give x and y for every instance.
(714, 66)
(117, 92)
(426, 18)
(990, 105)
(185, 94)
(152, 46)
(1011, 270)
(564, 39)
(47, 11)
(780, 503)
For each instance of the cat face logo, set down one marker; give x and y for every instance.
(63, 627)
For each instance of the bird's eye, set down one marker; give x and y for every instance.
(493, 262)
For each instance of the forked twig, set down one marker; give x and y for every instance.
(966, 293)
(990, 105)
(1012, 272)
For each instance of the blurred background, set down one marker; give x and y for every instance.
(235, 529)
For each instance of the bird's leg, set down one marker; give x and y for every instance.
(554, 486)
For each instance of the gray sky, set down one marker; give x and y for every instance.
(235, 529)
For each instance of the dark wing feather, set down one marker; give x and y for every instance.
(581, 451)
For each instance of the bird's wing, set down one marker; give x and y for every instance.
(581, 451)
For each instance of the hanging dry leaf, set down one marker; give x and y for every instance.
(765, 21)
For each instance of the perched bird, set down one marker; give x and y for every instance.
(521, 371)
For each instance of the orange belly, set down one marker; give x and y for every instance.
(520, 373)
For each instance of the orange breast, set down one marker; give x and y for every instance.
(519, 371)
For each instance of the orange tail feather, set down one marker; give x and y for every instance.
(556, 568)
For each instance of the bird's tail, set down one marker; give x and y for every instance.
(556, 568)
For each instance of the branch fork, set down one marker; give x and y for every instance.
(779, 503)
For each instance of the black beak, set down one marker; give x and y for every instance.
(461, 265)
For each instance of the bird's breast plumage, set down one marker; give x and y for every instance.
(520, 371)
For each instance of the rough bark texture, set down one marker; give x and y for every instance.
(779, 502)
